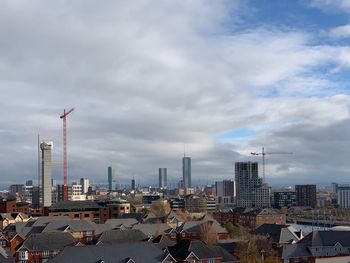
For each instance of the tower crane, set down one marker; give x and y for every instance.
(263, 153)
(65, 162)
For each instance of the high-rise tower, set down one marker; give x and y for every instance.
(250, 190)
(186, 172)
(163, 178)
(46, 180)
(111, 179)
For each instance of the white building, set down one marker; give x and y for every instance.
(77, 193)
(343, 196)
(85, 185)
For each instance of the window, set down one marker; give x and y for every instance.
(86, 215)
(23, 255)
(211, 261)
(46, 254)
(76, 215)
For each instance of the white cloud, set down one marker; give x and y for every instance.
(340, 32)
(145, 77)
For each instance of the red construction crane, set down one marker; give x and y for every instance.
(263, 153)
(65, 162)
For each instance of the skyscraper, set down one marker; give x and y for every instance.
(163, 178)
(111, 179)
(85, 184)
(46, 180)
(186, 172)
(250, 191)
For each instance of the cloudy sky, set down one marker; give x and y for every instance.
(146, 77)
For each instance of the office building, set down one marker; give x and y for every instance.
(306, 195)
(343, 196)
(111, 179)
(186, 172)
(284, 199)
(225, 192)
(250, 191)
(46, 180)
(162, 172)
(84, 182)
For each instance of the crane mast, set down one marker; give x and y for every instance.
(65, 160)
(263, 153)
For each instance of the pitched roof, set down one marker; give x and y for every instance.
(328, 238)
(152, 229)
(117, 222)
(224, 254)
(75, 225)
(185, 247)
(138, 216)
(162, 242)
(277, 233)
(44, 220)
(48, 241)
(122, 236)
(4, 216)
(139, 252)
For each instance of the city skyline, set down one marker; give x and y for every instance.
(224, 77)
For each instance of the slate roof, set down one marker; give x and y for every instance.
(48, 241)
(195, 227)
(122, 236)
(138, 216)
(100, 228)
(75, 225)
(277, 233)
(126, 222)
(181, 250)
(163, 242)
(316, 239)
(139, 252)
(44, 220)
(328, 238)
(152, 229)
(224, 254)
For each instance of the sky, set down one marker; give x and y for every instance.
(224, 78)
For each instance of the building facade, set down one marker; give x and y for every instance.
(284, 199)
(163, 180)
(46, 180)
(186, 172)
(225, 192)
(306, 195)
(343, 196)
(250, 190)
(111, 179)
(85, 185)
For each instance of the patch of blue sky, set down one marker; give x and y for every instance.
(236, 136)
(295, 14)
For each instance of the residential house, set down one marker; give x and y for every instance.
(195, 251)
(318, 244)
(115, 253)
(278, 234)
(40, 247)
